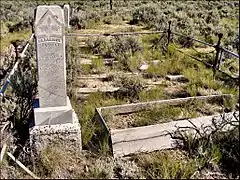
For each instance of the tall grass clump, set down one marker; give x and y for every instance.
(86, 111)
(166, 165)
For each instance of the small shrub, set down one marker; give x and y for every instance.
(134, 62)
(101, 46)
(114, 19)
(24, 89)
(123, 45)
(83, 19)
(216, 144)
(130, 87)
(145, 14)
(20, 26)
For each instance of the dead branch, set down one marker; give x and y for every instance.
(22, 166)
(3, 151)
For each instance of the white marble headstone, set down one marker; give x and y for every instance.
(50, 46)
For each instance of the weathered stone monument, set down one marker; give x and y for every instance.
(66, 9)
(54, 119)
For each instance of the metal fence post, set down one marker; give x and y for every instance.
(218, 49)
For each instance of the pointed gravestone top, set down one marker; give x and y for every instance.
(57, 10)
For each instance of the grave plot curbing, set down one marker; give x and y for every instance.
(152, 137)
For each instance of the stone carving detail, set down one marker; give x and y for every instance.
(49, 27)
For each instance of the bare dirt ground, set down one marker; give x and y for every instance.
(109, 28)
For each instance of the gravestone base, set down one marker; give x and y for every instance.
(53, 115)
(67, 135)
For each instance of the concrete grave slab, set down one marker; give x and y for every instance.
(176, 78)
(153, 137)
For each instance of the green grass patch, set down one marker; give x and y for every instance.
(164, 113)
(6, 41)
(98, 65)
(86, 110)
(152, 94)
(166, 165)
(135, 61)
(161, 114)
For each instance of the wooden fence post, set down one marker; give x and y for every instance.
(168, 33)
(16, 46)
(220, 59)
(218, 48)
(110, 4)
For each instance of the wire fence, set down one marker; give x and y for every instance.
(113, 34)
(219, 58)
(215, 57)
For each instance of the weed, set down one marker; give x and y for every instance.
(134, 62)
(157, 55)
(164, 165)
(192, 89)
(4, 29)
(213, 144)
(85, 68)
(86, 112)
(166, 113)
(156, 93)
(98, 65)
(157, 114)
(50, 159)
(56, 162)
(158, 70)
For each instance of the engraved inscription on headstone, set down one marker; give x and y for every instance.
(50, 45)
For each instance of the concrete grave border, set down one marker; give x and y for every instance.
(84, 92)
(153, 137)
